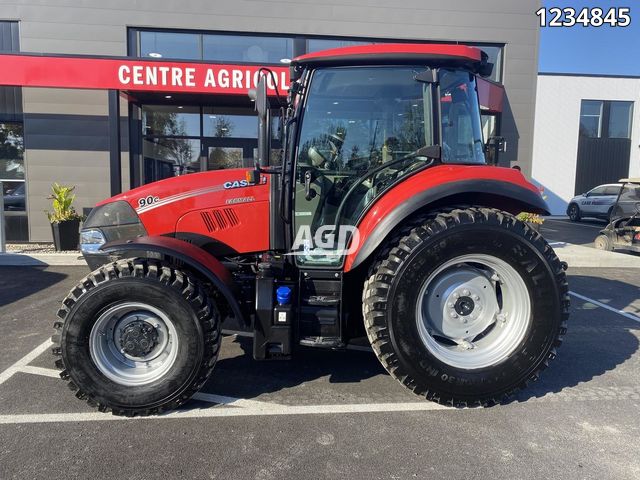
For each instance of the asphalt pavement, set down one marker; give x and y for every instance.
(577, 233)
(328, 414)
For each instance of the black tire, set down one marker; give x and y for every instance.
(574, 212)
(391, 292)
(177, 293)
(603, 242)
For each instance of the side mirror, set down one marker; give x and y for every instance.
(486, 69)
(264, 121)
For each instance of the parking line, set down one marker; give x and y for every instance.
(24, 361)
(628, 315)
(268, 409)
(44, 372)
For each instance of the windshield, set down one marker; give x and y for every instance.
(359, 118)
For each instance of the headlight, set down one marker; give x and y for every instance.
(91, 240)
(111, 222)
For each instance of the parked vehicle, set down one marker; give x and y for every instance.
(381, 220)
(596, 203)
(14, 199)
(623, 231)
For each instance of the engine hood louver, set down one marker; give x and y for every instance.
(220, 219)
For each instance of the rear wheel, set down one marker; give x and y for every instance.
(603, 242)
(466, 307)
(137, 337)
(574, 212)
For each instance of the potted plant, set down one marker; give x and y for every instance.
(65, 221)
(532, 219)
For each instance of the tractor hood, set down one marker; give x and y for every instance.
(221, 206)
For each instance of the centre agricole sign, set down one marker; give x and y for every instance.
(135, 75)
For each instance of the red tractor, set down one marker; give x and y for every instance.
(379, 217)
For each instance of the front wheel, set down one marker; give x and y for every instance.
(137, 337)
(466, 307)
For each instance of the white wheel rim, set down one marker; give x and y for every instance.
(473, 311)
(108, 344)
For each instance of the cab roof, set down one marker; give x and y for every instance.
(396, 53)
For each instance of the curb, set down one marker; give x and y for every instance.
(578, 256)
(41, 259)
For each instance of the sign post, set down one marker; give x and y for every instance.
(2, 237)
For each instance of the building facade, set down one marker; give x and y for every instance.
(62, 135)
(587, 133)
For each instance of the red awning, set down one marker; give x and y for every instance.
(137, 75)
(134, 75)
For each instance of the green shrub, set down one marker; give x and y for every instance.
(63, 209)
(530, 218)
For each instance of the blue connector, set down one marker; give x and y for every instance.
(283, 295)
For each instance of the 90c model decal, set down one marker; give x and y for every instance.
(146, 201)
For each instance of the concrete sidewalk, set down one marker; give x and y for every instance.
(578, 256)
(40, 259)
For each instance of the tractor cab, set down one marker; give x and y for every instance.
(358, 121)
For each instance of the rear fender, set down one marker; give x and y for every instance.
(441, 187)
(190, 255)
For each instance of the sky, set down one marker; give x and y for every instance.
(601, 50)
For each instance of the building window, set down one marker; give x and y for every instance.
(12, 175)
(591, 118)
(215, 47)
(246, 49)
(605, 119)
(620, 114)
(12, 178)
(186, 46)
(317, 44)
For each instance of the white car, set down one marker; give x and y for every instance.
(596, 203)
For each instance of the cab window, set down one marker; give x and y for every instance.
(361, 129)
(462, 140)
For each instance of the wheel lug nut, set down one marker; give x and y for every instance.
(456, 295)
(465, 292)
(454, 315)
(476, 297)
(451, 305)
